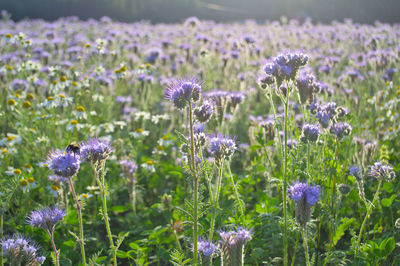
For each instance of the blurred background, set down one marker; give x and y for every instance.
(363, 11)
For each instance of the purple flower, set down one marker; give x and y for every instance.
(310, 133)
(46, 218)
(222, 147)
(204, 112)
(64, 164)
(301, 191)
(232, 245)
(206, 248)
(181, 92)
(382, 171)
(95, 150)
(355, 171)
(19, 248)
(340, 129)
(129, 166)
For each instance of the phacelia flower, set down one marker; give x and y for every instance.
(95, 150)
(305, 197)
(206, 249)
(310, 133)
(355, 171)
(340, 129)
(182, 92)
(204, 112)
(382, 171)
(21, 249)
(64, 164)
(129, 167)
(222, 147)
(232, 245)
(46, 218)
(307, 86)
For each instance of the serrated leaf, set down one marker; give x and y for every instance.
(344, 225)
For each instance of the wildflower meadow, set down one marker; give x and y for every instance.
(199, 143)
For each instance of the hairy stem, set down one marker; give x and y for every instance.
(305, 243)
(216, 200)
(56, 254)
(79, 209)
(195, 185)
(285, 259)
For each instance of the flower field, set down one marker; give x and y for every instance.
(199, 143)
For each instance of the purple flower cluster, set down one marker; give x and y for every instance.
(355, 171)
(301, 191)
(382, 171)
(95, 150)
(286, 66)
(324, 113)
(206, 248)
(340, 129)
(232, 245)
(307, 86)
(46, 218)
(204, 112)
(129, 167)
(310, 133)
(23, 250)
(182, 92)
(222, 147)
(63, 164)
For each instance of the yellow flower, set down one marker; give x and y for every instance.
(54, 187)
(17, 171)
(164, 137)
(63, 78)
(51, 98)
(150, 162)
(159, 147)
(3, 150)
(87, 45)
(54, 82)
(123, 69)
(61, 95)
(11, 102)
(84, 195)
(9, 35)
(17, 95)
(139, 130)
(23, 182)
(9, 68)
(28, 165)
(10, 138)
(31, 179)
(74, 83)
(26, 104)
(74, 122)
(30, 96)
(80, 108)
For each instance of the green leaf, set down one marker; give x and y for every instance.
(386, 247)
(345, 224)
(134, 246)
(388, 187)
(388, 201)
(119, 209)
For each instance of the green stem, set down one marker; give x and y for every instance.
(239, 202)
(305, 243)
(1, 234)
(216, 200)
(285, 258)
(103, 192)
(195, 185)
(369, 209)
(295, 249)
(79, 209)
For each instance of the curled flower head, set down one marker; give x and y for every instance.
(182, 92)
(310, 133)
(355, 171)
(340, 129)
(95, 150)
(63, 164)
(204, 112)
(232, 245)
(222, 147)
(19, 248)
(382, 171)
(129, 167)
(46, 218)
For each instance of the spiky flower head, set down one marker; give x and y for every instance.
(382, 171)
(19, 248)
(129, 167)
(355, 171)
(63, 164)
(95, 150)
(307, 86)
(204, 112)
(182, 92)
(340, 129)
(310, 133)
(305, 197)
(46, 218)
(222, 147)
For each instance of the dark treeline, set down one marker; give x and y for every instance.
(363, 11)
